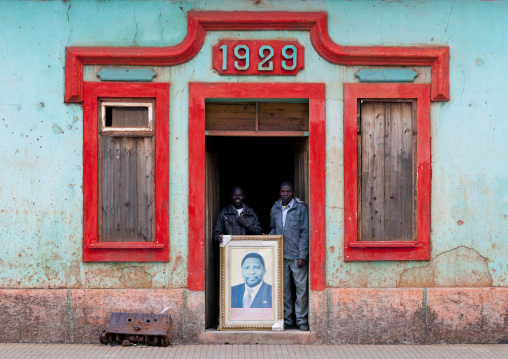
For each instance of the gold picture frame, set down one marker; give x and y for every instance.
(253, 263)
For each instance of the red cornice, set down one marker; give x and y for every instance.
(199, 22)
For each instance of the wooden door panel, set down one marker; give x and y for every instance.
(301, 171)
(211, 249)
(386, 161)
(127, 193)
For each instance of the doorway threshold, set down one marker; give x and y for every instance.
(291, 336)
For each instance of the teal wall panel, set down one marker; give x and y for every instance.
(386, 75)
(41, 137)
(133, 75)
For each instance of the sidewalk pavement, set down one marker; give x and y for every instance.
(75, 351)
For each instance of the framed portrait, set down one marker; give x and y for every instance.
(251, 283)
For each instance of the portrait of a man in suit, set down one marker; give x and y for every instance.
(254, 292)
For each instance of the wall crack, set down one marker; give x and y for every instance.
(135, 277)
(134, 42)
(448, 20)
(69, 22)
(460, 266)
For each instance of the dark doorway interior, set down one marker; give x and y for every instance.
(259, 165)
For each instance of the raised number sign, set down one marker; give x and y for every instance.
(258, 57)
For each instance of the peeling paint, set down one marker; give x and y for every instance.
(469, 197)
(57, 129)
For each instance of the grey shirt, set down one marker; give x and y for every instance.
(295, 229)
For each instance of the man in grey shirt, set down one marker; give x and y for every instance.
(290, 217)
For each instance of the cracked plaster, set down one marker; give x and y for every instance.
(457, 267)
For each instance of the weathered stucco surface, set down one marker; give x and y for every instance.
(41, 147)
(339, 316)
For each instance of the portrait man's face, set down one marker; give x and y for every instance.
(253, 271)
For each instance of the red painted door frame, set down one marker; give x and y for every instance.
(315, 93)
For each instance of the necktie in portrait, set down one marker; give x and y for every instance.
(247, 300)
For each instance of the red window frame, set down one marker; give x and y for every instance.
(93, 250)
(355, 250)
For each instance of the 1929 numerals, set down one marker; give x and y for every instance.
(255, 57)
(289, 52)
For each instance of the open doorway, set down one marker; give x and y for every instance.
(202, 200)
(258, 164)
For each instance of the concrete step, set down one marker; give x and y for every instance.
(291, 336)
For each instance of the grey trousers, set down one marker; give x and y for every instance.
(300, 277)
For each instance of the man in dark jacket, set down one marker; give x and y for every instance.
(237, 219)
(290, 217)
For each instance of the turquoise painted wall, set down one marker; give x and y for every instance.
(41, 137)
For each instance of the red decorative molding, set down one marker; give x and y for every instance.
(355, 250)
(126, 251)
(198, 92)
(199, 22)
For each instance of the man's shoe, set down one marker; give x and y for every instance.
(288, 326)
(303, 327)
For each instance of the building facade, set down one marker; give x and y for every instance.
(125, 123)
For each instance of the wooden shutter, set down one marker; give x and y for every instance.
(386, 171)
(126, 174)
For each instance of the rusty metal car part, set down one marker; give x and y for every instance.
(149, 329)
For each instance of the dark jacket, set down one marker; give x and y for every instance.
(263, 298)
(227, 224)
(295, 232)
